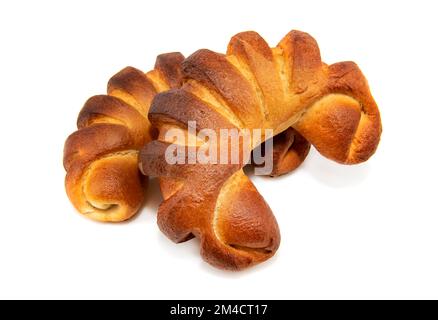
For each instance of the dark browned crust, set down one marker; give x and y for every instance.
(178, 105)
(216, 73)
(169, 66)
(290, 149)
(248, 232)
(329, 107)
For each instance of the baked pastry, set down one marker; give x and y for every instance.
(252, 87)
(289, 150)
(101, 158)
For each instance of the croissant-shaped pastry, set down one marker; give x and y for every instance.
(101, 158)
(287, 89)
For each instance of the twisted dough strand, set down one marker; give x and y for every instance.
(254, 86)
(103, 181)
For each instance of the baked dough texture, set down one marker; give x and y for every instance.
(287, 89)
(101, 158)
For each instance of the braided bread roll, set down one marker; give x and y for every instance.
(254, 86)
(101, 158)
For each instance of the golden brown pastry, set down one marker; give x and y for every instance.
(101, 158)
(289, 150)
(253, 86)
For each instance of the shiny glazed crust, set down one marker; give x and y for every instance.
(287, 89)
(101, 158)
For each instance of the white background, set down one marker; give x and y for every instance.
(368, 231)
